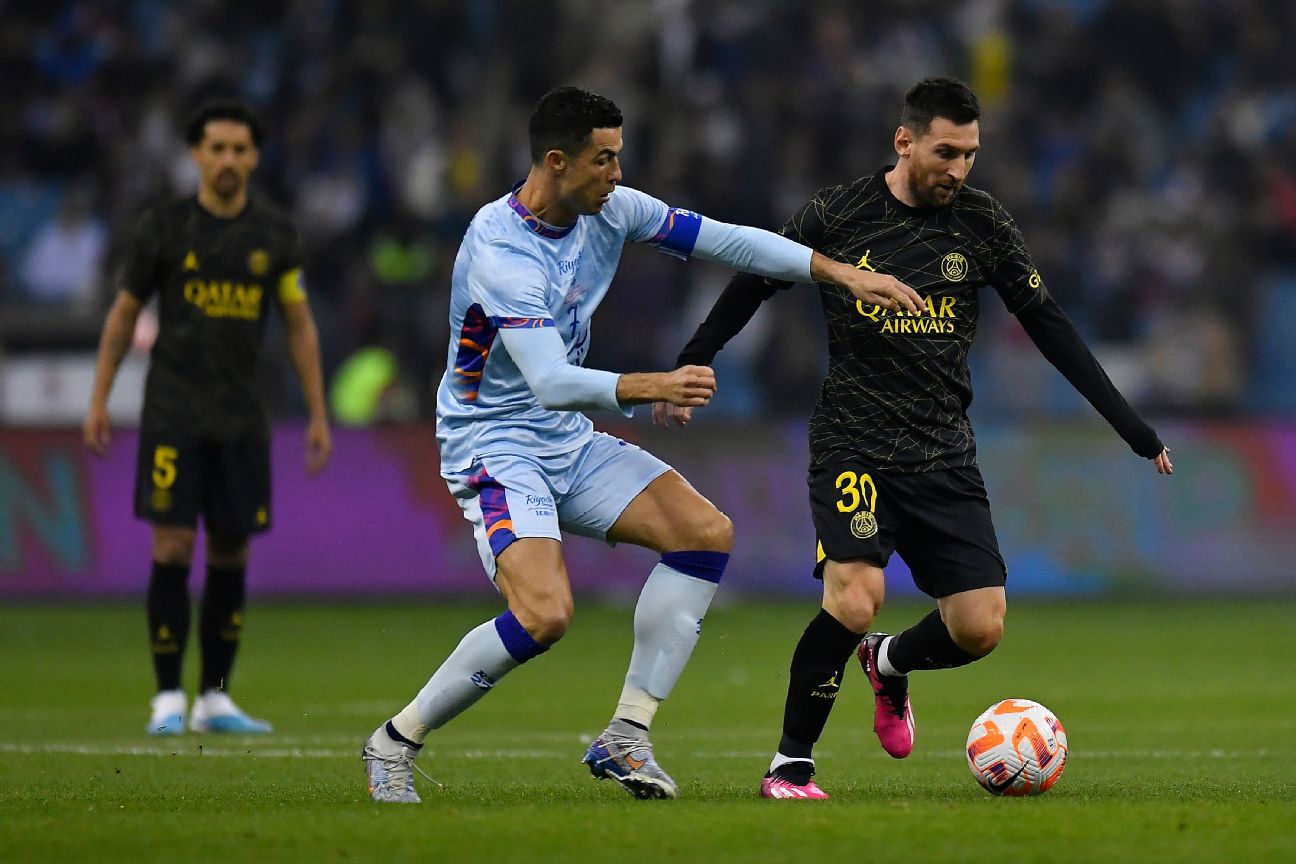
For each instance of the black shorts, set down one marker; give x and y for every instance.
(939, 522)
(178, 478)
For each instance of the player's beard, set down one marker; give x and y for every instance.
(227, 184)
(931, 196)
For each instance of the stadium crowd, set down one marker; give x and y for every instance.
(1147, 148)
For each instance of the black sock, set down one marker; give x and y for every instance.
(927, 645)
(221, 624)
(817, 665)
(168, 620)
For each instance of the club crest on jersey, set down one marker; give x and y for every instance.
(863, 524)
(259, 262)
(954, 267)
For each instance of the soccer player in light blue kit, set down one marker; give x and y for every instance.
(526, 465)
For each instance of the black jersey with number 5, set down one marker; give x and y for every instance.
(215, 280)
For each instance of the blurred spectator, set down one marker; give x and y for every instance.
(1153, 175)
(63, 263)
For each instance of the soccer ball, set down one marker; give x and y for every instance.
(1017, 747)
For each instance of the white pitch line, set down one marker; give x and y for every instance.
(257, 752)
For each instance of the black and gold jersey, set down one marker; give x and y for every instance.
(898, 384)
(215, 280)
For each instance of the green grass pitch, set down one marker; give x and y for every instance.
(1181, 719)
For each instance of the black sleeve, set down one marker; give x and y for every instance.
(139, 267)
(746, 292)
(735, 307)
(1060, 343)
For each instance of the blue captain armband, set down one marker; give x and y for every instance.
(678, 233)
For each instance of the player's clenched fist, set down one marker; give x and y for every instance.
(689, 386)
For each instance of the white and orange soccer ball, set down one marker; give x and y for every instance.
(1017, 747)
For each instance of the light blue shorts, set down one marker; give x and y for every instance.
(583, 492)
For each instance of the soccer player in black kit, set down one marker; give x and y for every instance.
(217, 262)
(892, 453)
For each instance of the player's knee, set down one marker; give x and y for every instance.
(226, 550)
(714, 533)
(854, 610)
(979, 638)
(547, 624)
(173, 547)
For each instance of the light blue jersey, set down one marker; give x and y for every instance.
(513, 271)
(521, 299)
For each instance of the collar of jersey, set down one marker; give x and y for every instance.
(532, 221)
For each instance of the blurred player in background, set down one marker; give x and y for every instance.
(525, 465)
(217, 262)
(892, 452)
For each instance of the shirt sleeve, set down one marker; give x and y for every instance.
(753, 250)
(638, 213)
(1012, 272)
(1061, 344)
(509, 283)
(290, 287)
(139, 269)
(510, 286)
(684, 233)
(541, 357)
(745, 293)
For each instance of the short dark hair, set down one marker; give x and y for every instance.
(234, 110)
(565, 117)
(938, 97)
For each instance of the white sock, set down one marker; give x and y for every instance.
(667, 622)
(780, 760)
(884, 658)
(467, 675)
(637, 705)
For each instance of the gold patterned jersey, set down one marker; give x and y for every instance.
(898, 384)
(215, 280)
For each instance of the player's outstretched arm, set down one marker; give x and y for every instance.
(114, 341)
(1061, 344)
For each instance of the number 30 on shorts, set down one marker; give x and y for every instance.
(856, 489)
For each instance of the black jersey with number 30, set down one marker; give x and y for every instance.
(898, 384)
(215, 280)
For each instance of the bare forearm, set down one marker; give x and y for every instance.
(303, 346)
(114, 342)
(638, 388)
(824, 269)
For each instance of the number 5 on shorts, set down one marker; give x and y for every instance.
(164, 466)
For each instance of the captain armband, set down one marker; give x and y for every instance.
(291, 289)
(678, 233)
